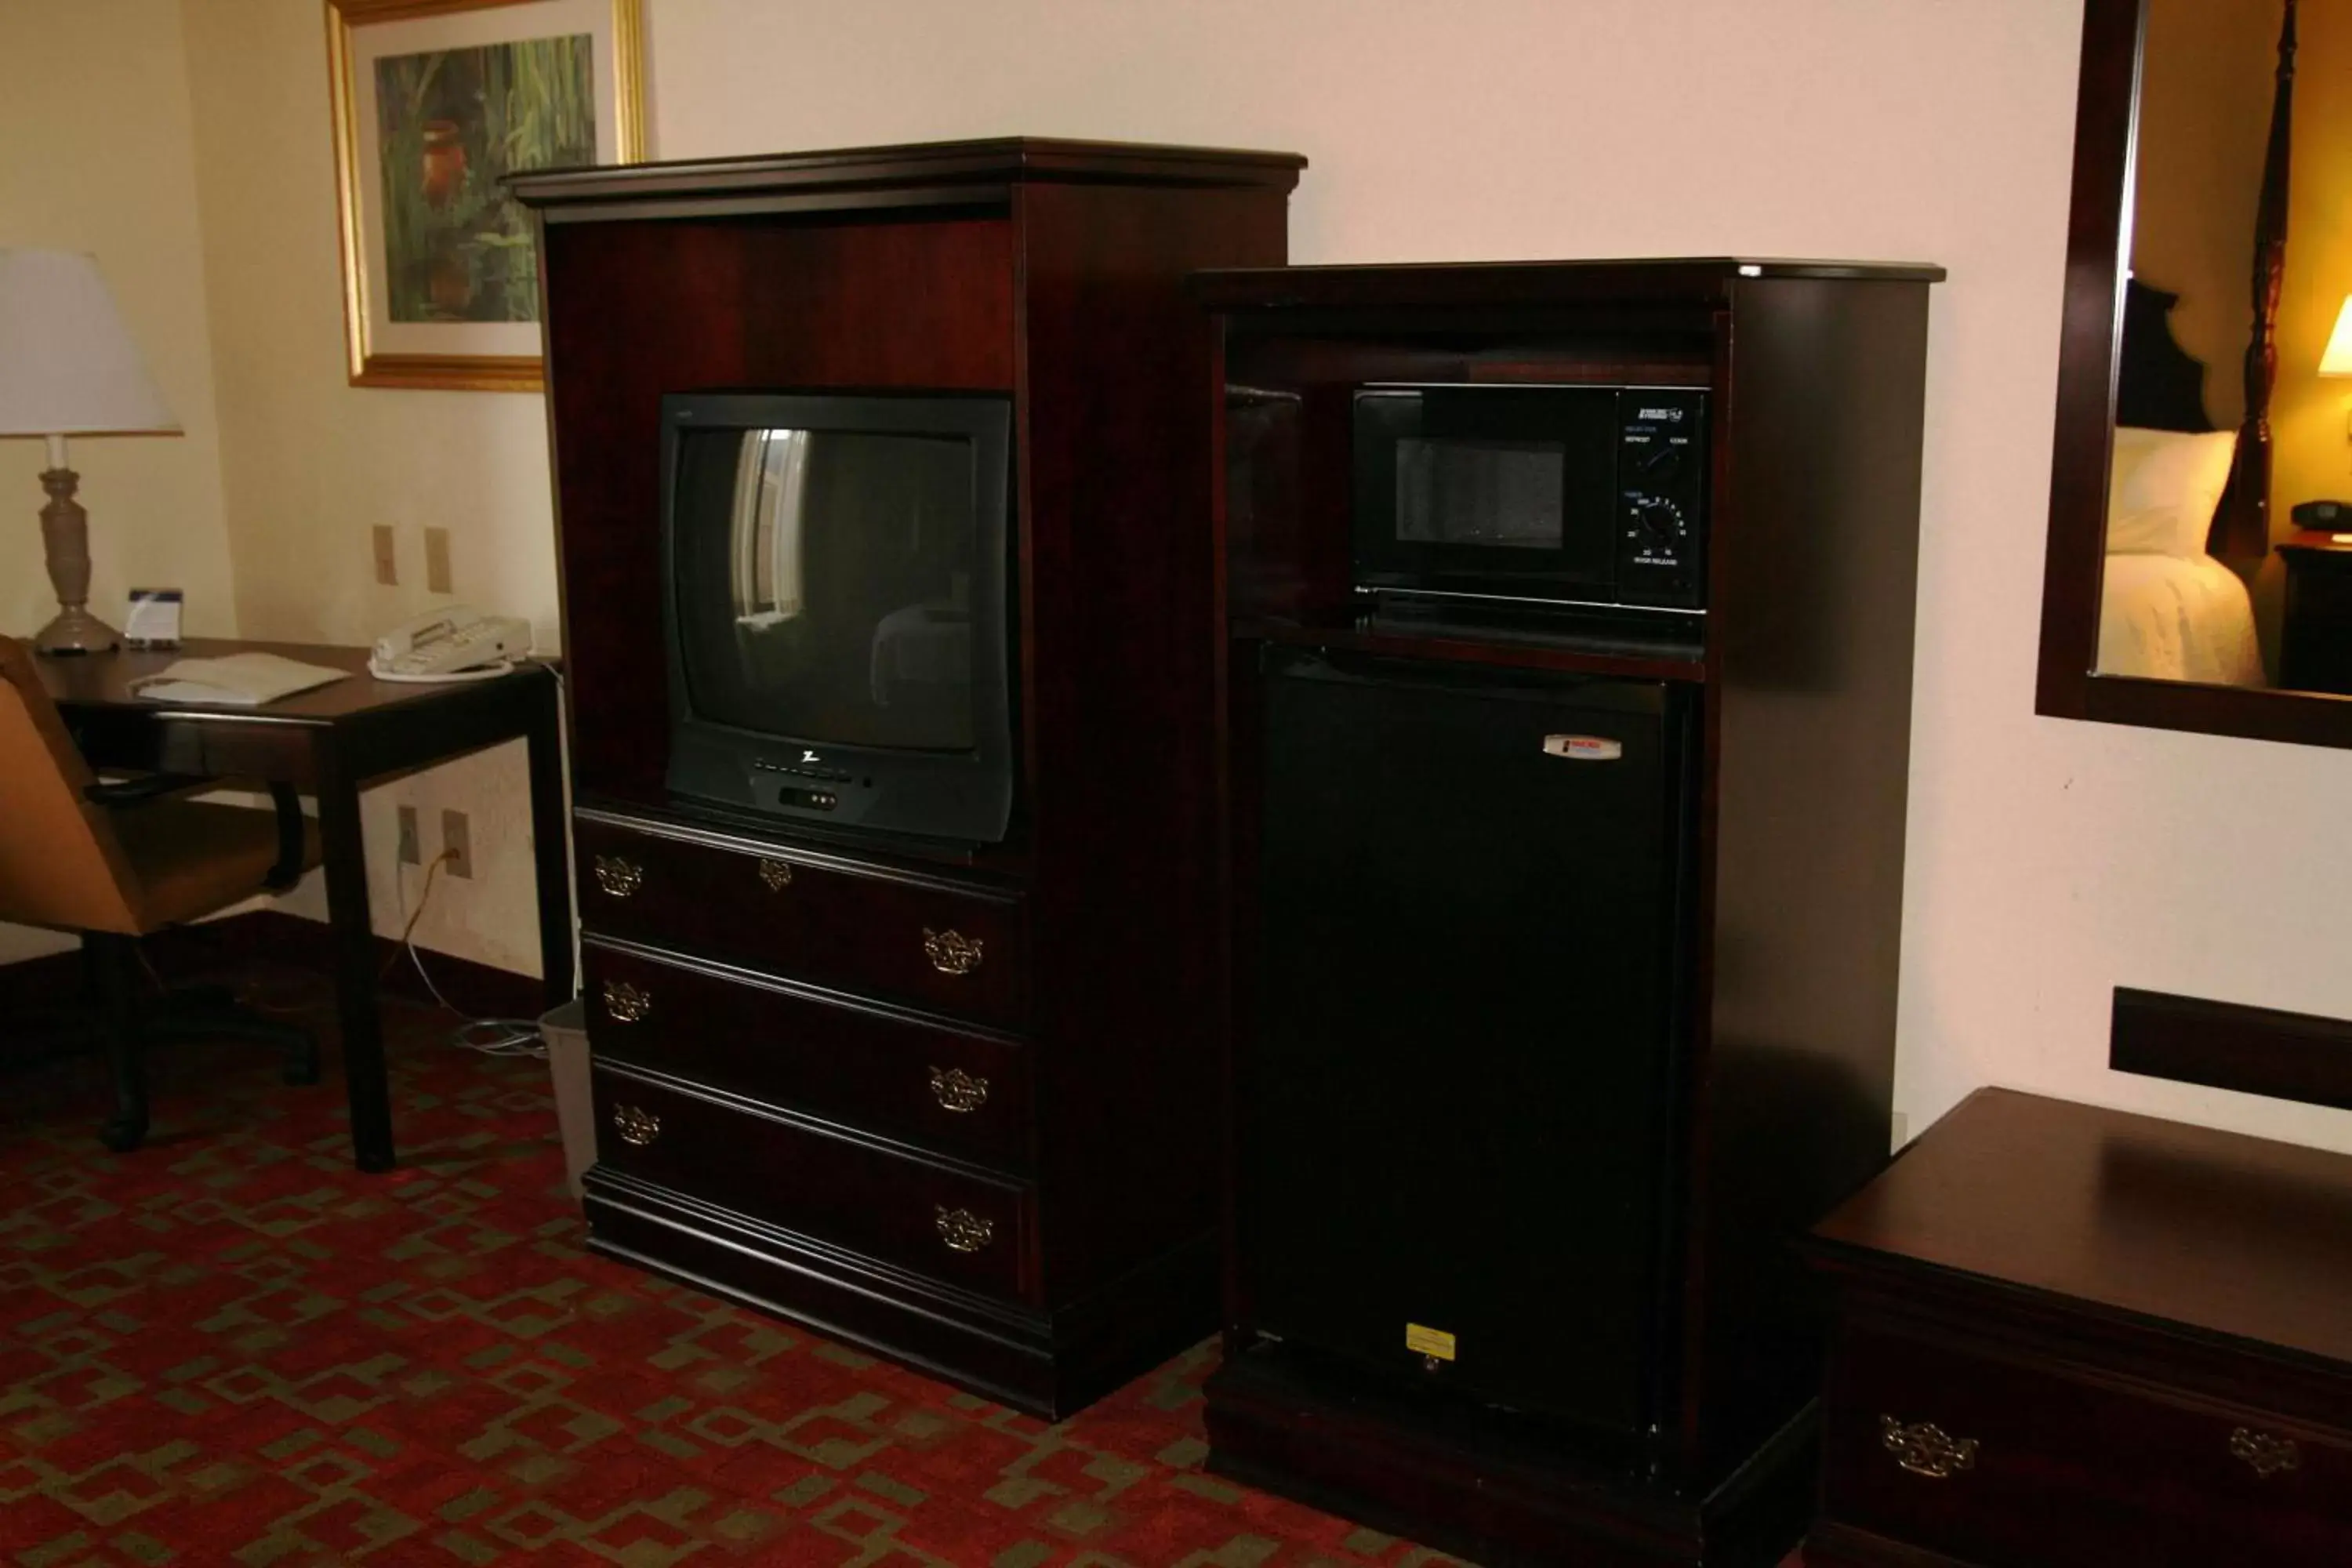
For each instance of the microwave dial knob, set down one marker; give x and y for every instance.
(1661, 521)
(1661, 460)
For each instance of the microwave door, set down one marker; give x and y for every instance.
(1502, 492)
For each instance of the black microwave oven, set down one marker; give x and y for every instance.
(1588, 495)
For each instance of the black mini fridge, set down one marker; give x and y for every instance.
(1455, 1101)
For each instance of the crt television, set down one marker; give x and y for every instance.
(839, 600)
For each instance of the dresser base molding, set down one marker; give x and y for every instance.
(1833, 1545)
(1047, 1364)
(1495, 1499)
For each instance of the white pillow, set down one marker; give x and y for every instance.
(2163, 489)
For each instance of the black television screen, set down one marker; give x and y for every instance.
(836, 592)
(838, 607)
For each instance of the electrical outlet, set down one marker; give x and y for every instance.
(437, 559)
(458, 844)
(387, 564)
(410, 855)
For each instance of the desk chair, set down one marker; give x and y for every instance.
(116, 862)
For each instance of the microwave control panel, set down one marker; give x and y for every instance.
(1662, 458)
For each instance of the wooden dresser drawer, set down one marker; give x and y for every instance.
(946, 1222)
(960, 950)
(1990, 1461)
(875, 1069)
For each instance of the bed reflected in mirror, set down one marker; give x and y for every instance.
(2227, 424)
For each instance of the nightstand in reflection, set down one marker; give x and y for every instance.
(2315, 640)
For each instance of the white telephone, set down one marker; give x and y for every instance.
(455, 644)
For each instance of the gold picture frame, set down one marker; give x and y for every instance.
(433, 101)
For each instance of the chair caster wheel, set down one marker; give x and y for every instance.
(122, 1136)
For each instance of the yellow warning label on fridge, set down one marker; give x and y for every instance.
(1429, 1341)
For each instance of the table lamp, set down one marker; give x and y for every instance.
(67, 367)
(2337, 358)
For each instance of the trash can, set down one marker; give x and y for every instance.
(566, 1030)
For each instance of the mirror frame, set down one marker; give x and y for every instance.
(2067, 684)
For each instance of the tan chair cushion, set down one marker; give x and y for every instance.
(59, 864)
(192, 858)
(70, 865)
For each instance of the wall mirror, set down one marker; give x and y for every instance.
(2205, 375)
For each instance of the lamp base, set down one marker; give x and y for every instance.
(65, 540)
(74, 632)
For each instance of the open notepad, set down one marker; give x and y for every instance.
(237, 680)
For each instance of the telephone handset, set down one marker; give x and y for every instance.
(455, 644)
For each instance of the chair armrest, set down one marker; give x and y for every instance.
(290, 833)
(146, 788)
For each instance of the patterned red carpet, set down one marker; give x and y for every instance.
(231, 1348)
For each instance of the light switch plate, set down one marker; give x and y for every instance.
(410, 854)
(458, 844)
(437, 559)
(387, 564)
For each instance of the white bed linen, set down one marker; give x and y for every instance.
(2172, 618)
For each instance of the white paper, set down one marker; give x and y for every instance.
(239, 680)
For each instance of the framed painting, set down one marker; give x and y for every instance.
(434, 102)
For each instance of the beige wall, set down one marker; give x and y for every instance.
(2207, 84)
(2308, 414)
(94, 121)
(313, 464)
(2049, 861)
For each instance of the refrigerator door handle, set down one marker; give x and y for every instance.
(1583, 748)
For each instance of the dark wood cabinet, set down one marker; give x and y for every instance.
(953, 1103)
(1537, 1069)
(2070, 1335)
(2315, 634)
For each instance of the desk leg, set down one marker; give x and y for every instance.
(550, 849)
(345, 854)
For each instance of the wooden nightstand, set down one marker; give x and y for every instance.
(2068, 1335)
(2316, 644)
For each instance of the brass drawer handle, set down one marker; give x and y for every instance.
(950, 951)
(777, 875)
(958, 1091)
(626, 1003)
(1925, 1450)
(618, 876)
(963, 1230)
(636, 1126)
(2266, 1452)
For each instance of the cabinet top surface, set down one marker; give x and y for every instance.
(998, 161)
(2314, 542)
(2212, 1231)
(1698, 278)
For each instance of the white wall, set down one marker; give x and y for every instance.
(2049, 861)
(94, 121)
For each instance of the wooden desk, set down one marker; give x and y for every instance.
(331, 743)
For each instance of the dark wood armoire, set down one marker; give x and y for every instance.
(950, 1101)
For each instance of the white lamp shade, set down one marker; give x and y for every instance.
(67, 367)
(2337, 360)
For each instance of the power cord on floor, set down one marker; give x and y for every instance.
(491, 1037)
